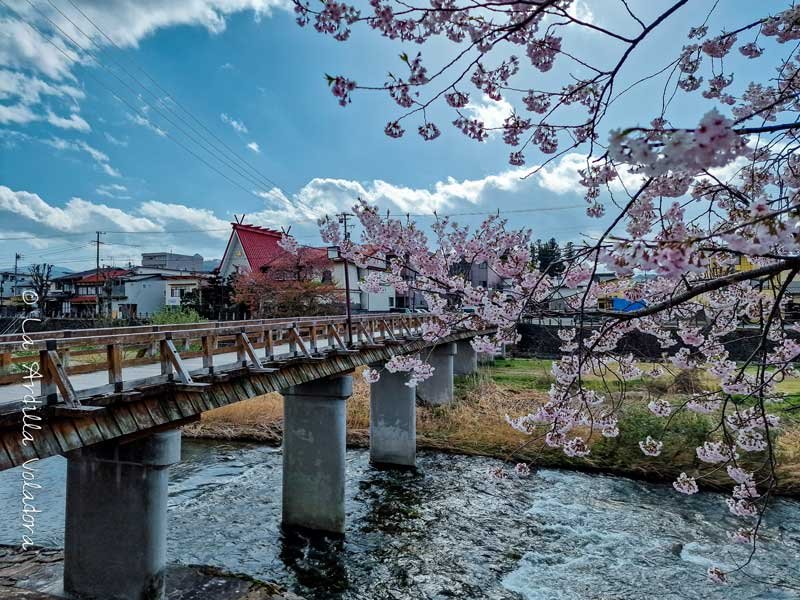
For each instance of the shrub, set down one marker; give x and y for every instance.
(170, 316)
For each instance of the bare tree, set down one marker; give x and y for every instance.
(40, 281)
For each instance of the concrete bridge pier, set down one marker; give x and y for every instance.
(115, 536)
(465, 362)
(438, 389)
(314, 428)
(393, 421)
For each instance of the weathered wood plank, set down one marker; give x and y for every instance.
(156, 412)
(185, 405)
(6, 462)
(66, 435)
(122, 416)
(107, 425)
(88, 431)
(45, 442)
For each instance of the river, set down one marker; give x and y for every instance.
(449, 531)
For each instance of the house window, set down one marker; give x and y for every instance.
(391, 301)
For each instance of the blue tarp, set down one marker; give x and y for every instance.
(623, 305)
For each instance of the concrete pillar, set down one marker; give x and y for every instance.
(465, 361)
(393, 421)
(314, 453)
(115, 536)
(438, 389)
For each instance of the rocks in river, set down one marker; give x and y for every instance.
(677, 548)
(31, 574)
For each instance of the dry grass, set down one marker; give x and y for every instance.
(475, 424)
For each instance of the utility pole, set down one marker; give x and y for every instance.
(97, 273)
(14, 286)
(343, 220)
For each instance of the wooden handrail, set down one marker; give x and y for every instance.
(301, 335)
(82, 333)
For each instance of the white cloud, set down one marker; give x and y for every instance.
(22, 47)
(31, 210)
(562, 175)
(23, 211)
(30, 90)
(72, 122)
(147, 124)
(116, 141)
(26, 54)
(236, 125)
(113, 190)
(186, 216)
(17, 113)
(730, 171)
(254, 147)
(128, 22)
(154, 227)
(325, 196)
(100, 158)
(492, 112)
(581, 11)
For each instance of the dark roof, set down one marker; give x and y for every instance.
(104, 275)
(87, 273)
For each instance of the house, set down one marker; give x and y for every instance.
(252, 248)
(77, 293)
(172, 262)
(124, 293)
(11, 288)
(143, 294)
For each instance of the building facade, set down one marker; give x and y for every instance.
(251, 248)
(172, 262)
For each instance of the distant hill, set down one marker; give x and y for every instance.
(59, 271)
(210, 264)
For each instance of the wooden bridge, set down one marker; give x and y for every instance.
(113, 400)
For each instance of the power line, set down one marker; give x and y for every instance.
(200, 140)
(172, 98)
(183, 231)
(124, 101)
(78, 233)
(499, 212)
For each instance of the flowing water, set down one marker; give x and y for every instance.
(449, 531)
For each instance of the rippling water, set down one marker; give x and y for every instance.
(448, 531)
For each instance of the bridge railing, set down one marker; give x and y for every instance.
(77, 343)
(257, 344)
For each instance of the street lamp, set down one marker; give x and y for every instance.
(335, 253)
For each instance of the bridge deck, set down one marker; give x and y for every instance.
(122, 398)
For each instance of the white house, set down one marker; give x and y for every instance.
(251, 247)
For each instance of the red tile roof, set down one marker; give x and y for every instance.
(83, 300)
(260, 245)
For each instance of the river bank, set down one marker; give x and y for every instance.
(475, 425)
(35, 574)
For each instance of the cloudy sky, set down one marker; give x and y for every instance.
(104, 131)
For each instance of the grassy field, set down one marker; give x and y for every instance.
(475, 424)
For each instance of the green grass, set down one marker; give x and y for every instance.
(530, 378)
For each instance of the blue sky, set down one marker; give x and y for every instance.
(75, 159)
